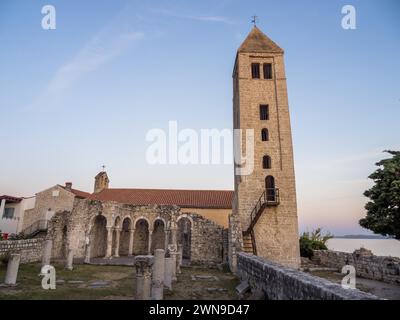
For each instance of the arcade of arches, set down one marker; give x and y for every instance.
(97, 229)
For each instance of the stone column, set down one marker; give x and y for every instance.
(173, 254)
(174, 264)
(88, 242)
(174, 231)
(117, 237)
(179, 258)
(109, 242)
(168, 273)
(12, 269)
(131, 237)
(2, 207)
(143, 266)
(70, 260)
(149, 244)
(157, 287)
(46, 256)
(166, 240)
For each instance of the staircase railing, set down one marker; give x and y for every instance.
(270, 197)
(36, 227)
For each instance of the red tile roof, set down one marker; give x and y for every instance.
(80, 194)
(217, 199)
(11, 198)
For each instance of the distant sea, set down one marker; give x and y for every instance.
(379, 247)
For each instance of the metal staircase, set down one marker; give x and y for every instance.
(270, 197)
(35, 228)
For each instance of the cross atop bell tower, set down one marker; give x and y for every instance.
(254, 20)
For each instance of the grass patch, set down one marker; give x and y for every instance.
(121, 284)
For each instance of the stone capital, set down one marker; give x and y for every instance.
(143, 265)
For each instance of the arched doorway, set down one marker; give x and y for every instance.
(98, 235)
(158, 236)
(125, 236)
(141, 237)
(185, 237)
(270, 188)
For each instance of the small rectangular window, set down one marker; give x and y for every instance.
(255, 70)
(8, 213)
(264, 112)
(267, 71)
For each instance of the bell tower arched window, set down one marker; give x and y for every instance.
(264, 134)
(267, 162)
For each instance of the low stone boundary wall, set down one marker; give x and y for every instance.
(277, 282)
(367, 265)
(30, 249)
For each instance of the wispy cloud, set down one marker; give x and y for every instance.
(101, 49)
(204, 18)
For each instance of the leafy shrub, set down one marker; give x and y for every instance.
(313, 241)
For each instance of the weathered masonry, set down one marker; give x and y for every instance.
(277, 282)
(29, 249)
(264, 218)
(111, 229)
(367, 265)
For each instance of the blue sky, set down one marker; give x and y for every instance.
(87, 93)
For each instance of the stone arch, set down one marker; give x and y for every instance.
(98, 235)
(126, 226)
(184, 235)
(141, 236)
(141, 218)
(185, 215)
(117, 222)
(158, 235)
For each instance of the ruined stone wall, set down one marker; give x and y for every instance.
(225, 245)
(367, 265)
(30, 249)
(235, 240)
(278, 282)
(58, 228)
(70, 229)
(207, 241)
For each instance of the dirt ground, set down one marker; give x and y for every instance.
(116, 282)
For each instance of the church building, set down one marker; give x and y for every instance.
(209, 226)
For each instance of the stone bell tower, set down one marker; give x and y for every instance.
(264, 206)
(101, 182)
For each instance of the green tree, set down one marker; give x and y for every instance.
(313, 241)
(383, 209)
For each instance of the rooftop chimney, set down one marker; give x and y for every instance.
(68, 186)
